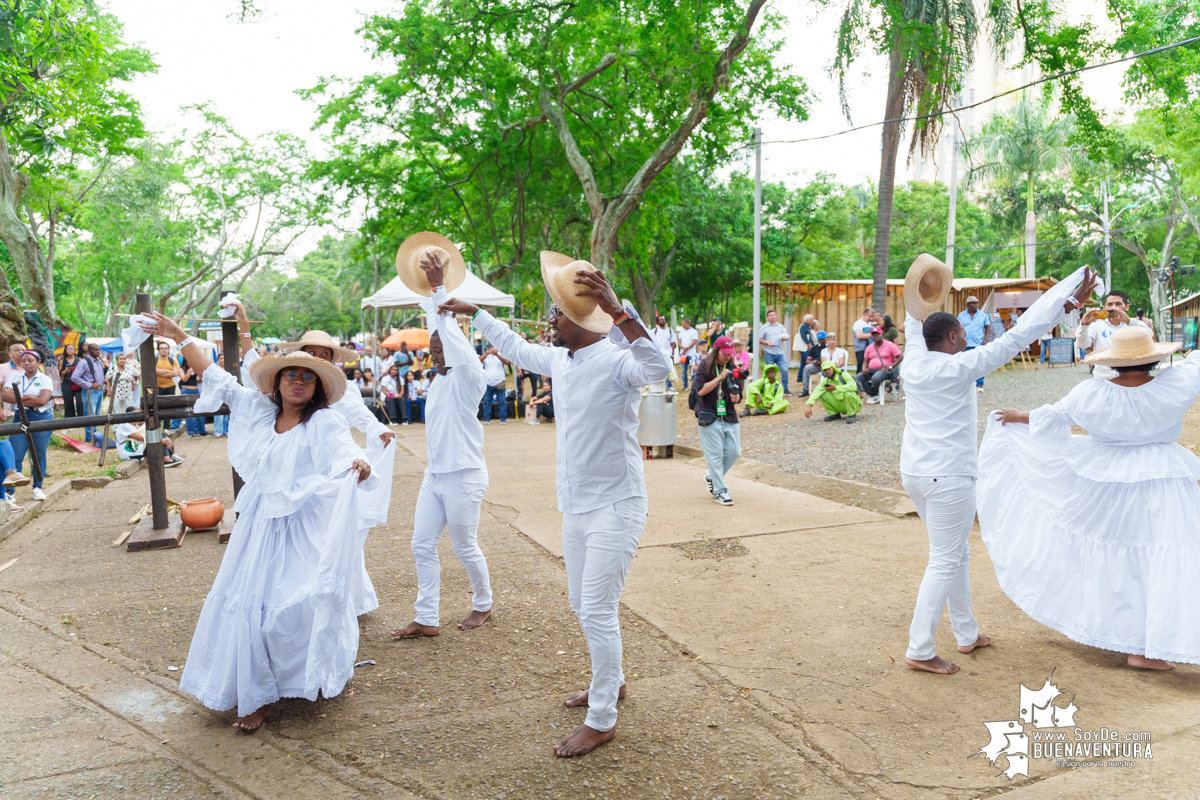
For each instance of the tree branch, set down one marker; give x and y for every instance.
(591, 191)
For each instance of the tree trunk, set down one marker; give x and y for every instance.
(889, 151)
(1030, 270)
(23, 246)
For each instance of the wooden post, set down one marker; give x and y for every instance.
(33, 459)
(231, 348)
(163, 530)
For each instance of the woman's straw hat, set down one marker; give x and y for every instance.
(926, 286)
(263, 372)
(415, 248)
(558, 273)
(1130, 346)
(320, 339)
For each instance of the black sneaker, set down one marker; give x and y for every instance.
(708, 481)
(851, 419)
(723, 498)
(832, 417)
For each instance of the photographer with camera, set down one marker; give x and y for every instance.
(716, 391)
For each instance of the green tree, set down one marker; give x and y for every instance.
(63, 64)
(929, 45)
(499, 99)
(1018, 146)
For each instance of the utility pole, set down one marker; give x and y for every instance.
(953, 203)
(757, 247)
(1107, 248)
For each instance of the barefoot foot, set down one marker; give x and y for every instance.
(253, 720)
(982, 641)
(414, 629)
(1141, 662)
(936, 664)
(474, 620)
(583, 740)
(580, 699)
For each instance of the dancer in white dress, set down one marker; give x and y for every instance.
(456, 477)
(1095, 536)
(279, 620)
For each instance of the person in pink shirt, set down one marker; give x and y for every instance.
(882, 364)
(740, 355)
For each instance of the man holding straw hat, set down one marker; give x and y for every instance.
(456, 475)
(601, 487)
(938, 457)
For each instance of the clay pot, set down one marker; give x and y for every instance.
(202, 514)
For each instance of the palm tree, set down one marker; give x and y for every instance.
(930, 45)
(1019, 145)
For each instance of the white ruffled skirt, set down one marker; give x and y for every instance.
(1098, 541)
(280, 620)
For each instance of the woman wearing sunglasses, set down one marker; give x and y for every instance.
(286, 580)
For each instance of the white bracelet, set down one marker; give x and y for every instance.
(187, 341)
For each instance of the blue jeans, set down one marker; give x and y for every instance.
(221, 425)
(779, 360)
(497, 394)
(41, 441)
(979, 382)
(7, 461)
(418, 406)
(721, 443)
(93, 403)
(195, 425)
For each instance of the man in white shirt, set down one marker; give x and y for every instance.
(664, 337)
(771, 340)
(493, 370)
(862, 335)
(688, 337)
(600, 484)
(370, 361)
(939, 459)
(830, 352)
(456, 476)
(1097, 333)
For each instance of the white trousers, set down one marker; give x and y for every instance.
(598, 548)
(947, 507)
(449, 499)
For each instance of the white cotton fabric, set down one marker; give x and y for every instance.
(279, 620)
(596, 397)
(940, 414)
(133, 336)
(1095, 536)
(453, 432)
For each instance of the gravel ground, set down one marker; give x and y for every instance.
(869, 451)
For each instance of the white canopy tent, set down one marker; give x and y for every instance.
(473, 290)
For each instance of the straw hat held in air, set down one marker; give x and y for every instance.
(926, 286)
(333, 380)
(1132, 346)
(320, 339)
(558, 273)
(417, 247)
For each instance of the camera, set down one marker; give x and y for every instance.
(737, 373)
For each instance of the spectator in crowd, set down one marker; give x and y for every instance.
(716, 329)
(829, 351)
(772, 345)
(699, 352)
(166, 367)
(220, 421)
(370, 361)
(123, 382)
(37, 395)
(765, 395)
(8, 464)
(1141, 317)
(394, 394)
(403, 359)
(978, 325)
(131, 443)
(662, 335)
(883, 364)
(889, 329)
(356, 375)
(88, 379)
(716, 414)
(838, 394)
(739, 353)
(862, 335)
(414, 403)
(189, 383)
(74, 401)
(1096, 329)
(493, 370)
(806, 340)
(543, 403)
(688, 338)
(522, 374)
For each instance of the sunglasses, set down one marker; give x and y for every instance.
(292, 376)
(553, 314)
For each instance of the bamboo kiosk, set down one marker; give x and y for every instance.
(160, 529)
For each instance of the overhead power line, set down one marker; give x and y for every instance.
(1045, 79)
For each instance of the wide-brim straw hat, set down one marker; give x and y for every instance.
(321, 339)
(926, 286)
(415, 248)
(263, 372)
(558, 273)
(1130, 346)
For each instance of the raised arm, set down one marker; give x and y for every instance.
(508, 344)
(914, 334)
